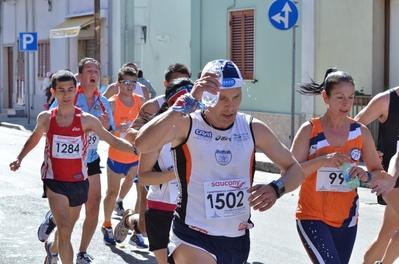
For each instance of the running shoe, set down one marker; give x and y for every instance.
(118, 208)
(121, 229)
(138, 241)
(84, 258)
(50, 258)
(108, 235)
(46, 227)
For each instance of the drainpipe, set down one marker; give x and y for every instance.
(34, 58)
(109, 36)
(27, 66)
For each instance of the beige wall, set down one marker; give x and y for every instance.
(280, 124)
(349, 36)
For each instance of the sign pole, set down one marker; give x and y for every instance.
(283, 15)
(293, 86)
(27, 42)
(27, 86)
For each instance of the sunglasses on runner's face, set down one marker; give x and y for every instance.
(127, 82)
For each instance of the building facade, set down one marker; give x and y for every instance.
(356, 36)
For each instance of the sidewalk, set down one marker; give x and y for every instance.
(21, 123)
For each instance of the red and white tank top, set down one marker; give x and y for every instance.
(65, 151)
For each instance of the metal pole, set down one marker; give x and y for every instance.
(97, 30)
(27, 90)
(293, 86)
(27, 67)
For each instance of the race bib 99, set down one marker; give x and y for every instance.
(330, 179)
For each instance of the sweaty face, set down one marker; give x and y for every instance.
(90, 75)
(225, 111)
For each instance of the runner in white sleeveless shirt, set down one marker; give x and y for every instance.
(214, 157)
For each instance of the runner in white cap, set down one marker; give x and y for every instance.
(214, 158)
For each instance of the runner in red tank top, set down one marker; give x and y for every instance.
(66, 129)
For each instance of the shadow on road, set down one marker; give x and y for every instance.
(128, 258)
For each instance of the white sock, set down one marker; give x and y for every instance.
(119, 200)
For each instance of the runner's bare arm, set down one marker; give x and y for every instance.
(91, 123)
(111, 90)
(300, 150)
(169, 126)
(147, 110)
(149, 177)
(376, 108)
(42, 124)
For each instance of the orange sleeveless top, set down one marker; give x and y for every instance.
(321, 196)
(123, 114)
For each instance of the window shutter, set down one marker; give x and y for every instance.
(249, 44)
(242, 37)
(43, 64)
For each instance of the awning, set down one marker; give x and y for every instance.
(71, 27)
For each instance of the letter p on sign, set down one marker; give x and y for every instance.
(28, 41)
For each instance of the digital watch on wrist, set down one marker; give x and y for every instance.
(278, 186)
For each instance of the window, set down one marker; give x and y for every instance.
(43, 65)
(242, 41)
(86, 48)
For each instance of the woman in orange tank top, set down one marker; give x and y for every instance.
(327, 212)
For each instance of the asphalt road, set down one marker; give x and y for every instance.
(273, 239)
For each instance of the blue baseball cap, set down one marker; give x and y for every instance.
(231, 74)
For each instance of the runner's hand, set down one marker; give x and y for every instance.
(15, 165)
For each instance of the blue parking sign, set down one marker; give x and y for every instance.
(28, 41)
(283, 14)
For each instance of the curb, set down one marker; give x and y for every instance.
(14, 126)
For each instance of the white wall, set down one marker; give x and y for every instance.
(168, 36)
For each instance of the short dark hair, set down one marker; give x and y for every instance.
(87, 60)
(125, 71)
(62, 76)
(177, 67)
(129, 63)
(140, 74)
